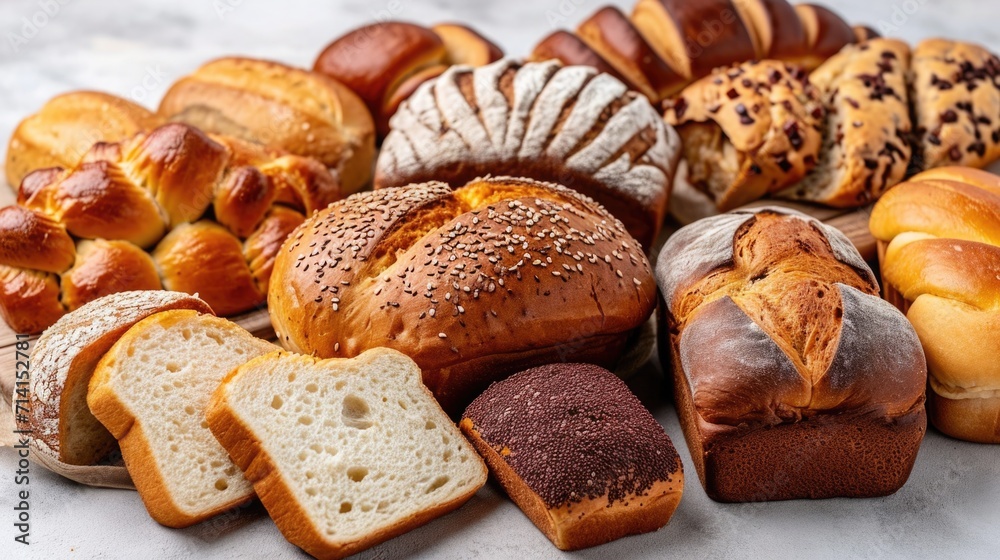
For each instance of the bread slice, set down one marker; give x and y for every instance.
(344, 453)
(150, 390)
(64, 432)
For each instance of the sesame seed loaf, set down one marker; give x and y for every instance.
(957, 106)
(813, 387)
(568, 125)
(65, 433)
(578, 453)
(473, 283)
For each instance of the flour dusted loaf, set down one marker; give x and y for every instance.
(747, 131)
(793, 379)
(567, 125)
(150, 390)
(67, 126)
(268, 103)
(957, 106)
(473, 283)
(64, 432)
(344, 454)
(939, 249)
(578, 453)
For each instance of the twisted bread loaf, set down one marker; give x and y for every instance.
(667, 44)
(297, 111)
(124, 197)
(67, 126)
(939, 248)
(385, 62)
(567, 125)
(814, 386)
(748, 130)
(473, 284)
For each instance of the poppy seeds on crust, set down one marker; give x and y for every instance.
(574, 432)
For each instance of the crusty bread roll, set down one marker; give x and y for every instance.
(866, 147)
(125, 196)
(344, 454)
(301, 112)
(151, 390)
(64, 432)
(813, 387)
(473, 284)
(567, 125)
(957, 104)
(578, 453)
(748, 130)
(385, 62)
(67, 126)
(939, 249)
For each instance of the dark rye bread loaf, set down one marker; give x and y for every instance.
(578, 453)
(473, 283)
(793, 379)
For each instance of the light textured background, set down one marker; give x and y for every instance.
(950, 508)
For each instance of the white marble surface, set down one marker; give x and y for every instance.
(949, 508)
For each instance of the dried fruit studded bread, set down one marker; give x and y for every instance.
(567, 125)
(748, 130)
(814, 387)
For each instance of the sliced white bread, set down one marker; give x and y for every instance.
(151, 389)
(66, 437)
(344, 453)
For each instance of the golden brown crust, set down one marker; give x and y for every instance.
(262, 246)
(976, 420)
(204, 259)
(448, 276)
(107, 267)
(67, 126)
(29, 299)
(610, 33)
(748, 130)
(826, 33)
(301, 112)
(572, 51)
(957, 100)
(33, 240)
(465, 45)
(810, 365)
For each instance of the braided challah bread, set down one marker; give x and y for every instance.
(67, 126)
(94, 221)
(939, 247)
(294, 110)
(385, 62)
(667, 44)
(566, 125)
(793, 379)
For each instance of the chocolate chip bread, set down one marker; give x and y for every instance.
(957, 108)
(866, 146)
(748, 130)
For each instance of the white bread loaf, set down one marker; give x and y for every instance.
(344, 453)
(150, 390)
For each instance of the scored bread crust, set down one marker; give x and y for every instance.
(806, 352)
(126, 424)
(248, 452)
(464, 281)
(567, 125)
(63, 361)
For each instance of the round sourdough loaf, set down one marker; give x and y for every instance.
(473, 283)
(569, 125)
